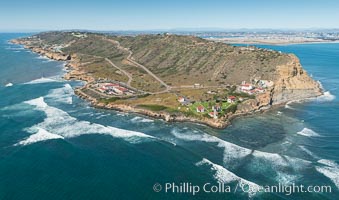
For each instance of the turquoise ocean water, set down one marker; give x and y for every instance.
(53, 145)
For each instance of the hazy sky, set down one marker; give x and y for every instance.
(18, 15)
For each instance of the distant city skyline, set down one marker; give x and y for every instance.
(39, 15)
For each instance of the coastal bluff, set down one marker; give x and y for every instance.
(292, 83)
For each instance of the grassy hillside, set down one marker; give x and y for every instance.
(187, 59)
(177, 60)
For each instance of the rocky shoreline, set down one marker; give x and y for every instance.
(291, 84)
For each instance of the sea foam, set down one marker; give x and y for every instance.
(330, 169)
(41, 80)
(61, 123)
(327, 96)
(141, 119)
(259, 162)
(62, 95)
(223, 175)
(9, 85)
(231, 151)
(40, 135)
(308, 133)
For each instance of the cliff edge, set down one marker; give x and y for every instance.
(292, 83)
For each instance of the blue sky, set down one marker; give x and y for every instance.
(16, 15)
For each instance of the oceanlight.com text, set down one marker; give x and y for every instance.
(250, 188)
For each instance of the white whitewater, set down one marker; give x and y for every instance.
(9, 85)
(40, 135)
(141, 119)
(223, 175)
(330, 169)
(62, 95)
(327, 96)
(308, 133)
(234, 154)
(41, 80)
(62, 124)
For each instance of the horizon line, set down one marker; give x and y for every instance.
(206, 29)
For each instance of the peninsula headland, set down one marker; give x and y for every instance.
(174, 77)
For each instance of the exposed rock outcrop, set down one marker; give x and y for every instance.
(293, 83)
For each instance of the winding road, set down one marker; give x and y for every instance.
(131, 60)
(130, 78)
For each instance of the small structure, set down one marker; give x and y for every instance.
(216, 107)
(213, 114)
(246, 87)
(181, 99)
(265, 83)
(119, 90)
(200, 109)
(184, 101)
(113, 89)
(231, 99)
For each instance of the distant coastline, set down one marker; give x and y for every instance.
(269, 41)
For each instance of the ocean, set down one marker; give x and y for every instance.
(54, 145)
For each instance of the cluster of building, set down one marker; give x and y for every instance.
(257, 88)
(79, 35)
(215, 109)
(214, 113)
(113, 89)
(184, 101)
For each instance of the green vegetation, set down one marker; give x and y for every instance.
(153, 107)
(232, 108)
(242, 94)
(178, 60)
(108, 100)
(208, 107)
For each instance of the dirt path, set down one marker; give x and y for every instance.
(130, 59)
(130, 78)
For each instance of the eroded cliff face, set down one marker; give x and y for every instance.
(293, 83)
(49, 53)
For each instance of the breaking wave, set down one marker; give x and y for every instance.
(58, 122)
(231, 151)
(14, 48)
(40, 57)
(308, 133)
(9, 85)
(327, 96)
(40, 135)
(259, 162)
(225, 176)
(41, 80)
(307, 151)
(63, 95)
(141, 119)
(330, 169)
